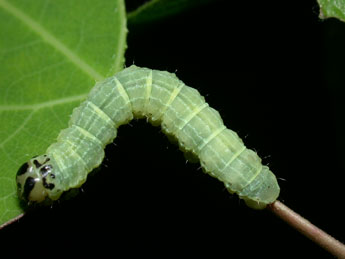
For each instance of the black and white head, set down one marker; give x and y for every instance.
(35, 179)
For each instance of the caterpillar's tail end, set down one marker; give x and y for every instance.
(262, 191)
(257, 205)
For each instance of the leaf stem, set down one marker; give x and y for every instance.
(309, 230)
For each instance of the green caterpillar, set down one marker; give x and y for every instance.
(163, 99)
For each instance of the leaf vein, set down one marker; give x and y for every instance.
(42, 105)
(17, 130)
(50, 39)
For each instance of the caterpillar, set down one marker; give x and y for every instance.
(163, 99)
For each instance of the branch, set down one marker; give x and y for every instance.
(311, 231)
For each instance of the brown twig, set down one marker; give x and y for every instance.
(317, 235)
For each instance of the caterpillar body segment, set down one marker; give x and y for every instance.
(163, 99)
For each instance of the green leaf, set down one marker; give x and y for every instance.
(51, 54)
(159, 9)
(332, 8)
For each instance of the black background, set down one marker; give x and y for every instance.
(273, 70)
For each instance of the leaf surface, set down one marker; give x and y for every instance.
(51, 54)
(332, 8)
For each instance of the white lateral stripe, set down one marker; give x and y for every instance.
(173, 95)
(123, 93)
(193, 114)
(72, 145)
(102, 114)
(58, 161)
(234, 157)
(211, 137)
(148, 90)
(254, 176)
(87, 134)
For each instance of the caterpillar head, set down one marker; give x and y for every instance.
(35, 179)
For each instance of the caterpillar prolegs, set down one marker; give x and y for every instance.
(163, 99)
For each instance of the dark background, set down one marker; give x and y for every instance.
(274, 72)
